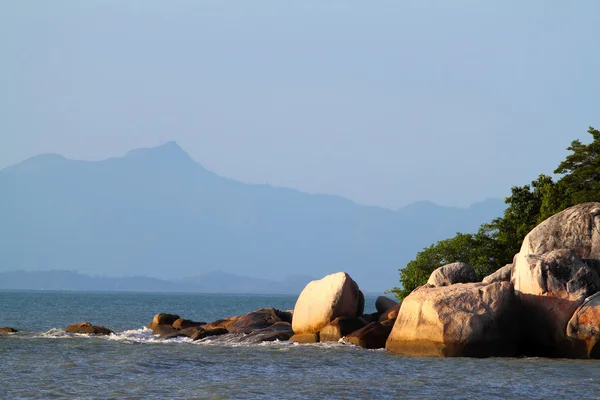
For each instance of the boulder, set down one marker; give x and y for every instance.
(259, 319)
(204, 333)
(222, 323)
(7, 329)
(181, 323)
(391, 314)
(501, 275)
(162, 319)
(584, 328)
(278, 331)
(310, 337)
(372, 336)
(450, 274)
(87, 328)
(383, 303)
(468, 319)
(322, 301)
(338, 328)
(550, 288)
(577, 228)
(368, 318)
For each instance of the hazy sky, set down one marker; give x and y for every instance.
(383, 102)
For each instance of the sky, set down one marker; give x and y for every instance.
(385, 102)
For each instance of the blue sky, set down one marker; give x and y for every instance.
(384, 102)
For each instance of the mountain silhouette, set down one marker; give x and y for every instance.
(156, 212)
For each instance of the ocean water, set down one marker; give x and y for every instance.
(43, 362)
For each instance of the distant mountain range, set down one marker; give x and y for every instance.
(211, 282)
(157, 213)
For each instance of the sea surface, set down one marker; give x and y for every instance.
(43, 362)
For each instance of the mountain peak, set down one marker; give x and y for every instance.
(168, 151)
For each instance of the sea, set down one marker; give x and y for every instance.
(43, 362)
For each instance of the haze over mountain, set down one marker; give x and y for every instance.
(156, 212)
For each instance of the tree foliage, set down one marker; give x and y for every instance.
(496, 242)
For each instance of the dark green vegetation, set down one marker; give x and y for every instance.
(495, 243)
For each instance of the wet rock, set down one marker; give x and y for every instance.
(450, 274)
(338, 328)
(88, 328)
(465, 319)
(501, 275)
(550, 288)
(162, 319)
(584, 329)
(372, 336)
(201, 333)
(322, 301)
(384, 303)
(181, 323)
(259, 319)
(7, 329)
(224, 323)
(310, 337)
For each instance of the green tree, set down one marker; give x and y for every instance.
(495, 244)
(581, 172)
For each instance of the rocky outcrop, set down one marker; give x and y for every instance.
(501, 275)
(577, 228)
(161, 321)
(450, 274)
(7, 329)
(583, 329)
(372, 336)
(259, 319)
(338, 328)
(383, 303)
(88, 329)
(321, 301)
(472, 319)
(550, 288)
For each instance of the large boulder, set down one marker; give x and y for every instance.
(450, 274)
(470, 319)
(391, 314)
(550, 287)
(384, 303)
(259, 319)
(322, 301)
(577, 228)
(88, 329)
(584, 328)
(338, 328)
(501, 275)
(372, 336)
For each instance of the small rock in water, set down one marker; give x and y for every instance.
(88, 328)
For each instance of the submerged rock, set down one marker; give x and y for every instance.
(468, 319)
(321, 301)
(88, 328)
(450, 274)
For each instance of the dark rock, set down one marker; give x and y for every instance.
(7, 329)
(338, 328)
(391, 314)
(259, 319)
(372, 336)
(361, 304)
(181, 323)
(204, 333)
(87, 328)
(368, 318)
(383, 303)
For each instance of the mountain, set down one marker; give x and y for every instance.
(156, 212)
(211, 282)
